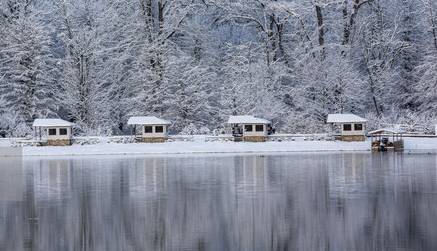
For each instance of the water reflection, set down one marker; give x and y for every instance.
(293, 202)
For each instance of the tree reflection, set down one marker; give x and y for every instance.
(305, 202)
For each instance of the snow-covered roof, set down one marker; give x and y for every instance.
(345, 118)
(247, 119)
(386, 130)
(147, 120)
(51, 123)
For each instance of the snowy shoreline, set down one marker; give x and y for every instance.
(175, 148)
(195, 147)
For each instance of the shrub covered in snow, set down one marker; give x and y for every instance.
(12, 126)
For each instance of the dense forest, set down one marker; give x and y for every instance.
(195, 62)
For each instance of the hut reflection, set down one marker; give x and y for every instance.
(12, 203)
(296, 202)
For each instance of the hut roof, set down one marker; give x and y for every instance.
(147, 120)
(247, 119)
(51, 123)
(345, 118)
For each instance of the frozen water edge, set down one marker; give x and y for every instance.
(196, 148)
(199, 147)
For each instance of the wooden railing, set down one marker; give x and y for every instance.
(219, 138)
(182, 138)
(300, 137)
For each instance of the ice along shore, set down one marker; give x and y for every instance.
(411, 144)
(196, 148)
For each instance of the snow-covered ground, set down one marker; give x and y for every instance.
(5, 142)
(420, 144)
(199, 146)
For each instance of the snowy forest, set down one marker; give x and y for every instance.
(195, 62)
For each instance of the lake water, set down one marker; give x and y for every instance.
(347, 201)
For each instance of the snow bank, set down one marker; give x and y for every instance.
(4, 143)
(420, 144)
(197, 147)
(7, 142)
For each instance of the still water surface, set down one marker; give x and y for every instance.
(349, 201)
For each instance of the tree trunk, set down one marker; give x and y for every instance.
(281, 50)
(159, 55)
(349, 21)
(272, 38)
(321, 30)
(433, 23)
(346, 29)
(372, 92)
(149, 15)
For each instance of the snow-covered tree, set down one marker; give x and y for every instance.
(195, 62)
(238, 82)
(27, 66)
(189, 100)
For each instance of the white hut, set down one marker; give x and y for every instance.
(249, 128)
(53, 132)
(153, 129)
(352, 127)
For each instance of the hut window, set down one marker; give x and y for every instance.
(63, 131)
(148, 129)
(248, 128)
(358, 127)
(347, 127)
(159, 129)
(259, 128)
(52, 132)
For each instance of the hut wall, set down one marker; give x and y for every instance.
(255, 138)
(152, 140)
(154, 134)
(254, 133)
(58, 136)
(59, 142)
(353, 132)
(352, 138)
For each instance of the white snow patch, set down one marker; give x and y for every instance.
(5, 142)
(197, 147)
(420, 144)
(51, 123)
(345, 118)
(147, 120)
